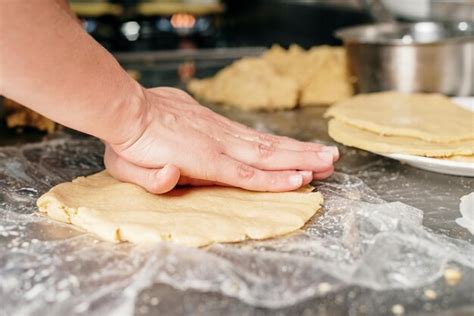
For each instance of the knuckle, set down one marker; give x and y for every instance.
(265, 151)
(269, 140)
(213, 154)
(169, 118)
(265, 138)
(245, 172)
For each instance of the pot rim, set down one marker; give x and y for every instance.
(399, 34)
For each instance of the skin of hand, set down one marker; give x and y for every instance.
(182, 142)
(156, 138)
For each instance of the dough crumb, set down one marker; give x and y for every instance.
(18, 116)
(324, 288)
(452, 276)
(430, 294)
(398, 309)
(118, 237)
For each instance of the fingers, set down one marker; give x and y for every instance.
(307, 176)
(295, 145)
(243, 133)
(160, 180)
(196, 182)
(324, 174)
(270, 157)
(232, 172)
(290, 143)
(246, 133)
(335, 152)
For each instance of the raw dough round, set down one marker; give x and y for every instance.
(431, 117)
(350, 135)
(119, 211)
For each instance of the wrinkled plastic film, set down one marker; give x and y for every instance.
(359, 240)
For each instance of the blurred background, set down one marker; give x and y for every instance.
(145, 25)
(169, 42)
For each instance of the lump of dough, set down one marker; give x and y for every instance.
(430, 117)
(353, 136)
(249, 83)
(321, 72)
(118, 211)
(279, 79)
(292, 63)
(18, 116)
(329, 82)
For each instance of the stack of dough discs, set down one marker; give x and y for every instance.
(428, 125)
(198, 216)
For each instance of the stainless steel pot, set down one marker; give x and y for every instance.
(415, 57)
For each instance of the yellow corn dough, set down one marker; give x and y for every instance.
(119, 211)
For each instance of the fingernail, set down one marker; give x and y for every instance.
(325, 156)
(296, 180)
(332, 149)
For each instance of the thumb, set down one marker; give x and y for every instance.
(160, 180)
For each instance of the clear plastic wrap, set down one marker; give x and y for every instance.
(359, 241)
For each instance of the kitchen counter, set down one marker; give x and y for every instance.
(436, 195)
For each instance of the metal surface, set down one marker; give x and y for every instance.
(430, 10)
(419, 57)
(435, 194)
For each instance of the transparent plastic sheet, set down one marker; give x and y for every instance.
(360, 240)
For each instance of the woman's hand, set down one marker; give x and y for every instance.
(155, 138)
(179, 141)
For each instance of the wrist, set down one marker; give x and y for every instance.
(129, 117)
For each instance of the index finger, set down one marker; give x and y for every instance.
(232, 172)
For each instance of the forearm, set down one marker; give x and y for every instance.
(48, 63)
(64, 4)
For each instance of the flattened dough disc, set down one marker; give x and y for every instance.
(119, 211)
(431, 117)
(350, 135)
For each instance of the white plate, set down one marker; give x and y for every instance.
(458, 168)
(464, 102)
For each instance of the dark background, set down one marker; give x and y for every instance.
(240, 23)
